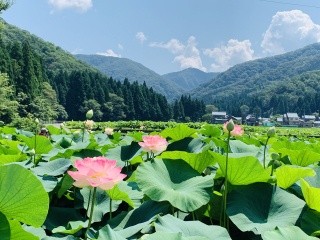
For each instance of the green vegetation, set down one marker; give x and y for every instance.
(48, 83)
(190, 78)
(274, 85)
(176, 195)
(123, 68)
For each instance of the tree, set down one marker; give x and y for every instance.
(95, 106)
(114, 109)
(46, 106)
(4, 5)
(8, 106)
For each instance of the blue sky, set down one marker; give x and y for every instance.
(171, 35)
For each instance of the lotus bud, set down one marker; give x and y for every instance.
(32, 152)
(89, 114)
(37, 121)
(61, 125)
(271, 132)
(230, 126)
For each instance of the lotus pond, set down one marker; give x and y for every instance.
(205, 184)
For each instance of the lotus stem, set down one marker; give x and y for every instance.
(224, 216)
(264, 153)
(110, 207)
(91, 212)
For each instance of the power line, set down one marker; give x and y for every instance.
(289, 3)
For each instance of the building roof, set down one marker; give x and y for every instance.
(309, 117)
(291, 115)
(219, 113)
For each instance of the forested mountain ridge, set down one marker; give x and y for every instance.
(122, 68)
(256, 84)
(40, 80)
(53, 57)
(190, 78)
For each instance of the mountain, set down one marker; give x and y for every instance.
(54, 57)
(268, 83)
(190, 78)
(121, 68)
(45, 82)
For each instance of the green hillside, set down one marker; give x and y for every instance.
(190, 78)
(40, 80)
(268, 85)
(121, 68)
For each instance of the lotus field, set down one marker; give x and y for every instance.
(210, 182)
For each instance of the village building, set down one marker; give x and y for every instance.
(219, 117)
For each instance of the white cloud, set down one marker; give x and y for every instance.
(174, 46)
(141, 37)
(186, 55)
(82, 5)
(288, 31)
(228, 55)
(109, 53)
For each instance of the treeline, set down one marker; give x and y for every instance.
(299, 94)
(40, 92)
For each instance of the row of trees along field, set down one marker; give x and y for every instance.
(32, 90)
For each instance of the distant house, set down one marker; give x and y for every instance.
(308, 120)
(251, 120)
(291, 119)
(280, 120)
(219, 117)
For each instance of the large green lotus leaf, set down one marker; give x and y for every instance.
(106, 233)
(71, 228)
(102, 139)
(176, 182)
(303, 157)
(53, 168)
(9, 147)
(315, 180)
(4, 227)
(311, 195)
(101, 204)
(170, 236)
(240, 149)
(21, 193)
(128, 224)
(261, 207)
(237, 146)
(289, 174)
(53, 130)
(18, 233)
(309, 221)
(210, 130)
(188, 144)
(168, 223)
(286, 233)
(198, 161)
(124, 192)
(244, 170)
(8, 130)
(48, 182)
(124, 153)
(5, 159)
(40, 144)
(177, 133)
(287, 144)
(39, 232)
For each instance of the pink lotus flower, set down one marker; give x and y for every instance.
(237, 129)
(96, 172)
(154, 144)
